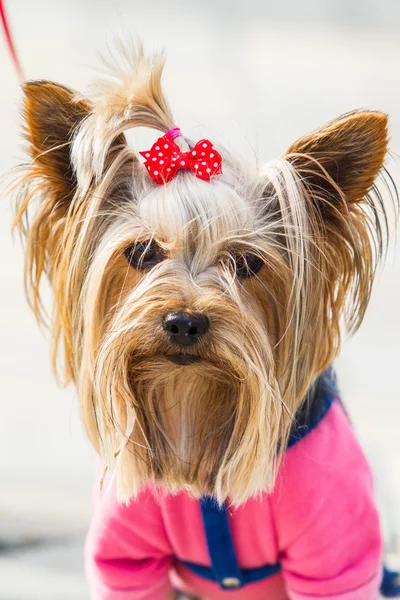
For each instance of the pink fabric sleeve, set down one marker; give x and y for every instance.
(327, 525)
(127, 554)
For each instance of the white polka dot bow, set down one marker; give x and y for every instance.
(165, 159)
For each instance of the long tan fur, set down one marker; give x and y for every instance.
(218, 426)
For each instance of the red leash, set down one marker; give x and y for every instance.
(10, 42)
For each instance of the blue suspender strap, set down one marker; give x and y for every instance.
(224, 570)
(220, 547)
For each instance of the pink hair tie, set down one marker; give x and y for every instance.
(173, 133)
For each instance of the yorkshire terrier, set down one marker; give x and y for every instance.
(197, 307)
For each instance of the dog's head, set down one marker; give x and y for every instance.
(194, 316)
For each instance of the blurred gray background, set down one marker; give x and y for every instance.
(254, 72)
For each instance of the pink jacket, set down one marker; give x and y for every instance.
(320, 524)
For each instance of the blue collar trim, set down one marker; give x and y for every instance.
(315, 406)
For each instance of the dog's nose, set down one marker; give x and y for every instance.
(185, 329)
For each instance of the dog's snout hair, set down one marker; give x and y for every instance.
(249, 275)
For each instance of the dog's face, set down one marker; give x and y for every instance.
(195, 315)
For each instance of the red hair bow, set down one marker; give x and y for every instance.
(165, 159)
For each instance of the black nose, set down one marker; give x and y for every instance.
(185, 329)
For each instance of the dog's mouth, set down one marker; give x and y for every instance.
(184, 359)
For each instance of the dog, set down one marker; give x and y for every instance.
(198, 299)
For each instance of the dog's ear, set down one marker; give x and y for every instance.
(342, 158)
(51, 118)
(335, 169)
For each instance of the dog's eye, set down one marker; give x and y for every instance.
(247, 264)
(144, 255)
